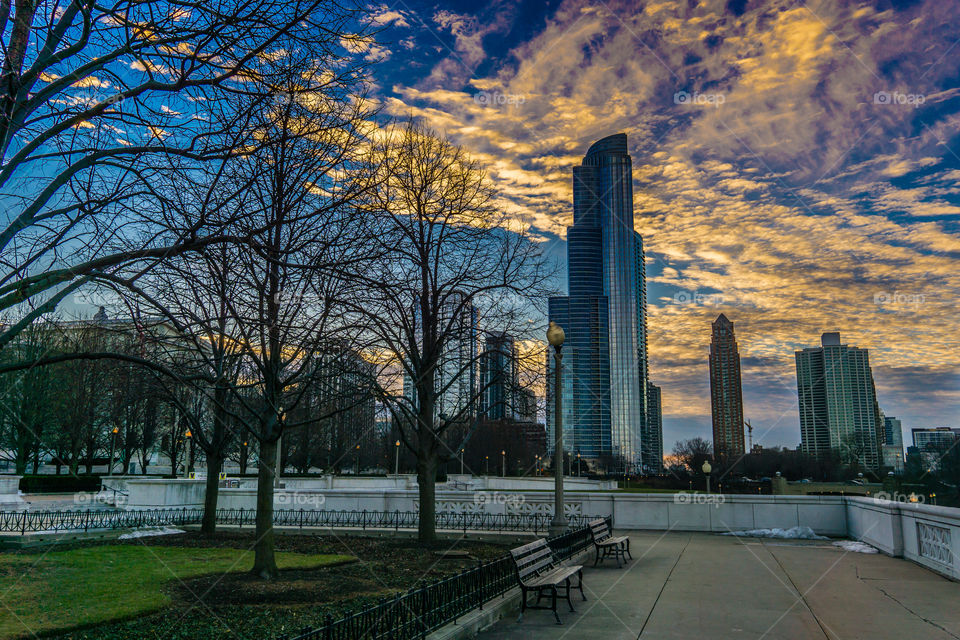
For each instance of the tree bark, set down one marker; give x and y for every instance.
(208, 526)
(264, 562)
(427, 482)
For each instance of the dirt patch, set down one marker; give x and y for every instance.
(383, 567)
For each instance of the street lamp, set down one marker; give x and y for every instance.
(189, 436)
(706, 471)
(555, 338)
(396, 463)
(487, 461)
(503, 462)
(358, 460)
(278, 463)
(461, 461)
(579, 472)
(113, 448)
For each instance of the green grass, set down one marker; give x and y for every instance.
(67, 589)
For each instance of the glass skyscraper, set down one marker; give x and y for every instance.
(499, 388)
(839, 415)
(605, 396)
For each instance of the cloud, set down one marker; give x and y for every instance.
(799, 204)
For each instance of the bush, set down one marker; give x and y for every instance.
(59, 483)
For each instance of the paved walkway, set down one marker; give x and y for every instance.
(693, 585)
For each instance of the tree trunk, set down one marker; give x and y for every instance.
(208, 526)
(264, 563)
(427, 481)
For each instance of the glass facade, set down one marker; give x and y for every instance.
(499, 387)
(839, 415)
(605, 395)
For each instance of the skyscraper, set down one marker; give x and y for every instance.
(726, 396)
(651, 450)
(838, 403)
(604, 316)
(498, 378)
(892, 448)
(455, 379)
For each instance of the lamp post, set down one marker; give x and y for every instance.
(559, 524)
(358, 460)
(461, 460)
(113, 448)
(503, 462)
(278, 463)
(579, 471)
(487, 461)
(189, 436)
(396, 461)
(706, 471)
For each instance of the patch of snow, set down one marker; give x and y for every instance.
(146, 533)
(793, 533)
(855, 546)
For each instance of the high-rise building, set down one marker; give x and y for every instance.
(499, 386)
(604, 316)
(651, 453)
(455, 378)
(726, 396)
(838, 403)
(936, 439)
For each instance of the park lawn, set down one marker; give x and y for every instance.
(66, 589)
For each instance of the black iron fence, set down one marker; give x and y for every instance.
(86, 520)
(411, 615)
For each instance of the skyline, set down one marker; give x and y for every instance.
(778, 176)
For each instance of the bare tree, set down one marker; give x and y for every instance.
(693, 453)
(452, 265)
(97, 100)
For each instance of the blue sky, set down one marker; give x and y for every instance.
(795, 164)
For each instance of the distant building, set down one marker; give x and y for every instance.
(526, 405)
(892, 448)
(651, 453)
(605, 393)
(838, 404)
(455, 379)
(892, 457)
(726, 397)
(499, 378)
(935, 440)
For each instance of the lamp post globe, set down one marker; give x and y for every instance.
(706, 468)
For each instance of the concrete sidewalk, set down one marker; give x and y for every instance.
(694, 585)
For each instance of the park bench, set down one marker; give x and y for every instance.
(538, 571)
(607, 544)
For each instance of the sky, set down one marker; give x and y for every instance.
(795, 167)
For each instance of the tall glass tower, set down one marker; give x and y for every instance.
(605, 395)
(839, 415)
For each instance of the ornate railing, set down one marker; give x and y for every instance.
(86, 520)
(415, 613)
